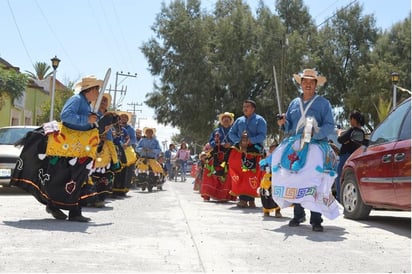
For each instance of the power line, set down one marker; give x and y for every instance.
(334, 14)
(120, 28)
(20, 35)
(55, 35)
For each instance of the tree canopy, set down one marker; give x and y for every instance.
(207, 63)
(12, 84)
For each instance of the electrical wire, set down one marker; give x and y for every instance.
(56, 36)
(122, 34)
(20, 35)
(334, 14)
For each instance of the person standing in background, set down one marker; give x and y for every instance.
(357, 121)
(170, 155)
(247, 135)
(182, 156)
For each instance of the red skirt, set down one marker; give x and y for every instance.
(216, 187)
(245, 173)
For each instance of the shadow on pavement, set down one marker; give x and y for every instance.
(396, 225)
(53, 225)
(329, 234)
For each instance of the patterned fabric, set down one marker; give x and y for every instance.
(245, 181)
(144, 165)
(73, 143)
(311, 184)
(130, 156)
(214, 186)
(106, 156)
(53, 179)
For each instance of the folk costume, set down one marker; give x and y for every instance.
(247, 134)
(100, 181)
(126, 143)
(304, 164)
(215, 183)
(147, 164)
(198, 170)
(265, 189)
(57, 157)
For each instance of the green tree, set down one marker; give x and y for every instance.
(392, 53)
(61, 97)
(41, 71)
(346, 43)
(12, 85)
(208, 63)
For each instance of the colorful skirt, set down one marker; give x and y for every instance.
(305, 176)
(55, 180)
(245, 173)
(215, 187)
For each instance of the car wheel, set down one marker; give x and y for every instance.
(353, 205)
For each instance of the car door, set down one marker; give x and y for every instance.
(374, 168)
(382, 160)
(402, 164)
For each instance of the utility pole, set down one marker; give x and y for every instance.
(134, 112)
(115, 85)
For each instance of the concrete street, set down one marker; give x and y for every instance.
(175, 231)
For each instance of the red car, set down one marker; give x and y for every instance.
(378, 176)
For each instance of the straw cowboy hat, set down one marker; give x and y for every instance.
(226, 114)
(109, 98)
(310, 74)
(149, 128)
(128, 114)
(88, 82)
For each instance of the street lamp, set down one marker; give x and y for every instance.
(55, 64)
(395, 80)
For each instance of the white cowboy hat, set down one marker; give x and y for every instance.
(128, 114)
(88, 82)
(310, 74)
(109, 100)
(149, 128)
(226, 114)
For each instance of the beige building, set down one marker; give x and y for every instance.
(26, 109)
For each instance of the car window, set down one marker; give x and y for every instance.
(9, 136)
(389, 129)
(406, 128)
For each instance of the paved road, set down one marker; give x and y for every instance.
(175, 231)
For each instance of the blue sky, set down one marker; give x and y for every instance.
(91, 35)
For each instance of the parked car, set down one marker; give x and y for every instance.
(378, 176)
(8, 152)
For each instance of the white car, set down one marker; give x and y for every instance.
(8, 152)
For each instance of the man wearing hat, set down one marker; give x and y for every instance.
(57, 157)
(248, 134)
(123, 179)
(100, 181)
(303, 165)
(149, 149)
(149, 146)
(216, 184)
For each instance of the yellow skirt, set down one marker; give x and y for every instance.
(130, 156)
(107, 156)
(154, 165)
(73, 143)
